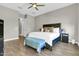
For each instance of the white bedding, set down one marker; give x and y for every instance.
(47, 36)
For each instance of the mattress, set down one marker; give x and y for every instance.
(47, 36)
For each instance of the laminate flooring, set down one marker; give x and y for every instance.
(16, 48)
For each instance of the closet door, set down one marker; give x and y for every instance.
(1, 37)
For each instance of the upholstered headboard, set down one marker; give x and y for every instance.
(55, 25)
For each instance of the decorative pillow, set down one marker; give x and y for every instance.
(42, 29)
(45, 29)
(56, 30)
(48, 29)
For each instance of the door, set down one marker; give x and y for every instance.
(1, 37)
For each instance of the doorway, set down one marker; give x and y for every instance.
(21, 37)
(1, 37)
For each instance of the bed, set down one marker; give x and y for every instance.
(51, 38)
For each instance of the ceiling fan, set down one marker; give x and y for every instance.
(35, 5)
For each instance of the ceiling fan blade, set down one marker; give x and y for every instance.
(36, 8)
(40, 5)
(29, 7)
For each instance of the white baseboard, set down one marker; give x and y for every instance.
(5, 40)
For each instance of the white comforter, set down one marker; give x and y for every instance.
(47, 36)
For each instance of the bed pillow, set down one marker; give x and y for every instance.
(48, 29)
(42, 29)
(56, 30)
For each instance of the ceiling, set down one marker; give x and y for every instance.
(23, 7)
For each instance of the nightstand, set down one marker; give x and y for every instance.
(65, 37)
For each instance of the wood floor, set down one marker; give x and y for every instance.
(16, 48)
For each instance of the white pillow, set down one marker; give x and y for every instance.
(42, 29)
(56, 30)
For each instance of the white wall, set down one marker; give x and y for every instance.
(28, 25)
(78, 23)
(66, 16)
(11, 26)
(10, 18)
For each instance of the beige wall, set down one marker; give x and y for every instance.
(78, 23)
(10, 18)
(11, 26)
(28, 25)
(67, 16)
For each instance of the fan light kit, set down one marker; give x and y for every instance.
(35, 5)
